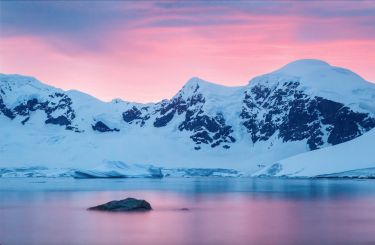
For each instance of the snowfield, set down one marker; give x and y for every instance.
(355, 158)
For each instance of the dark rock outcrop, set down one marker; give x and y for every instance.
(5, 110)
(102, 127)
(57, 102)
(204, 128)
(136, 115)
(126, 205)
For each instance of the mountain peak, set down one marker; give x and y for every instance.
(18, 88)
(320, 78)
(309, 62)
(19, 80)
(196, 84)
(194, 81)
(303, 67)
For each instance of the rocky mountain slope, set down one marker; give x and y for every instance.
(305, 105)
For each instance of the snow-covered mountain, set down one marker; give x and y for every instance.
(304, 106)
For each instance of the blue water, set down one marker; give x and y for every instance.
(221, 211)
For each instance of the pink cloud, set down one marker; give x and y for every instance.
(152, 63)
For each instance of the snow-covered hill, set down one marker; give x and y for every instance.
(355, 158)
(303, 106)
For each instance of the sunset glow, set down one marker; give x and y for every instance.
(145, 51)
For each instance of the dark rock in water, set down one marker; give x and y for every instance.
(126, 205)
(184, 209)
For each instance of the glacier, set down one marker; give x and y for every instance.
(117, 169)
(355, 158)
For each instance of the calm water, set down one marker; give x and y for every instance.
(222, 211)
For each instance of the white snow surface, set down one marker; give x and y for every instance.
(51, 146)
(321, 79)
(352, 158)
(364, 173)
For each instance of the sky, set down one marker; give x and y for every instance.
(146, 50)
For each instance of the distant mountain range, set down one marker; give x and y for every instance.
(304, 106)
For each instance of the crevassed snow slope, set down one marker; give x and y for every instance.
(357, 157)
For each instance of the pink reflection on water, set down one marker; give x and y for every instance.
(226, 218)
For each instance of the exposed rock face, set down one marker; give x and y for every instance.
(4, 110)
(284, 109)
(126, 205)
(136, 115)
(56, 105)
(189, 105)
(204, 128)
(102, 127)
(270, 109)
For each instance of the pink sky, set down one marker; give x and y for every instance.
(138, 60)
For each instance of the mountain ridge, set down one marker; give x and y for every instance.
(291, 69)
(273, 117)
